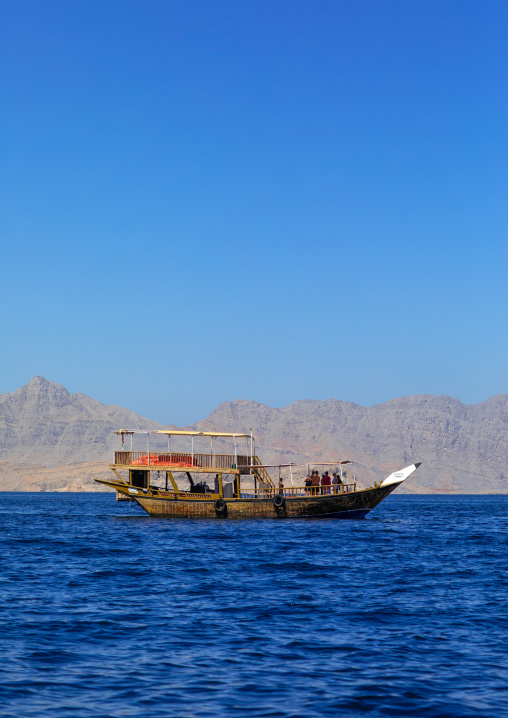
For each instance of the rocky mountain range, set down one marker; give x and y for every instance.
(53, 440)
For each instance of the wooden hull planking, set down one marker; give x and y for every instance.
(350, 505)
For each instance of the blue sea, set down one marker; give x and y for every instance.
(106, 612)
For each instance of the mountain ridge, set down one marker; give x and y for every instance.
(43, 423)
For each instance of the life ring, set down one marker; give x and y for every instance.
(221, 508)
(279, 501)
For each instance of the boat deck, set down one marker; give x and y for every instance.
(268, 492)
(201, 463)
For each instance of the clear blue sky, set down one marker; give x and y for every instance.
(271, 200)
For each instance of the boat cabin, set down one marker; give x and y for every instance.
(202, 471)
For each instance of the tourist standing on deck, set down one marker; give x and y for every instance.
(326, 482)
(315, 482)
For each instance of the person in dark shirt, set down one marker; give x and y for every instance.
(326, 483)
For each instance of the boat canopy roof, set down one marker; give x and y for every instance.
(214, 434)
(171, 432)
(308, 463)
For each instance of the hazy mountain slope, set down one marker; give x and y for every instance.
(462, 447)
(42, 423)
(70, 477)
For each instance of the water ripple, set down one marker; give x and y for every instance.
(106, 613)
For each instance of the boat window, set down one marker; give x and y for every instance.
(139, 478)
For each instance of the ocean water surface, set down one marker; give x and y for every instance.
(106, 612)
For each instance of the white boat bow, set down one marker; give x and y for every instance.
(399, 476)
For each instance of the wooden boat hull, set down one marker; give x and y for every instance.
(342, 506)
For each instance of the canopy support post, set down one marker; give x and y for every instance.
(173, 482)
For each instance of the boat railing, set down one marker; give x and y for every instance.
(171, 459)
(298, 491)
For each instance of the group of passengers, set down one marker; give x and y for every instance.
(314, 484)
